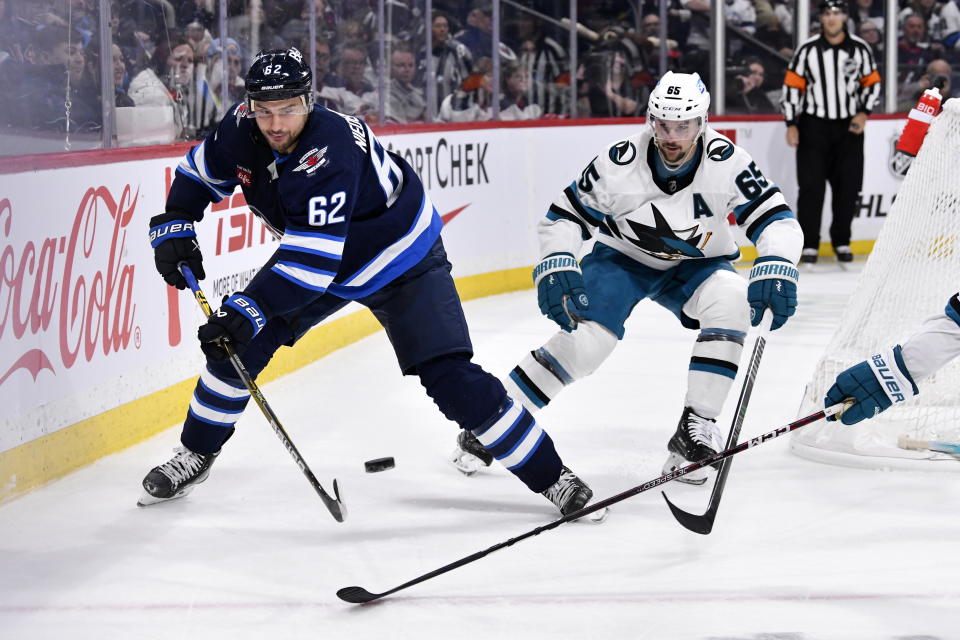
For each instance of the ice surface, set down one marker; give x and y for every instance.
(800, 551)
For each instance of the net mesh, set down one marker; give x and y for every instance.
(912, 271)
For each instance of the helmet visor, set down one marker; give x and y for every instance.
(259, 109)
(675, 130)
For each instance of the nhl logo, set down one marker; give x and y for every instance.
(672, 185)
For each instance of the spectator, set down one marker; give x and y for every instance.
(120, 78)
(514, 101)
(865, 11)
(357, 96)
(452, 61)
(478, 34)
(697, 50)
(870, 33)
(937, 74)
(605, 90)
(544, 60)
(195, 107)
(44, 91)
(405, 102)
(214, 73)
(929, 12)
(650, 44)
(472, 101)
(741, 14)
(773, 35)
(745, 92)
(914, 50)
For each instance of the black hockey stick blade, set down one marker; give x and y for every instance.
(359, 595)
(703, 523)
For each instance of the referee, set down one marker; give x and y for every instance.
(830, 87)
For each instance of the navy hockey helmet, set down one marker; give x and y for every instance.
(279, 74)
(838, 5)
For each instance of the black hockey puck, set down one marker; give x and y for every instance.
(379, 464)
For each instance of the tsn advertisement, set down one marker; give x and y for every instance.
(86, 324)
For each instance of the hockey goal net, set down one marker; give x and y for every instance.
(912, 271)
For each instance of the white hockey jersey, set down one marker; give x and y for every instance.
(935, 342)
(620, 199)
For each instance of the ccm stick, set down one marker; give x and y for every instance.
(703, 524)
(359, 595)
(335, 505)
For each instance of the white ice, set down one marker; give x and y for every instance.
(800, 550)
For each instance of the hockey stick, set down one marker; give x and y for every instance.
(359, 595)
(703, 524)
(335, 505)
(929, 445)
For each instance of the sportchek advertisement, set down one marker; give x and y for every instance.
(86, 324)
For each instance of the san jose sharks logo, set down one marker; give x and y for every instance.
(662, 241)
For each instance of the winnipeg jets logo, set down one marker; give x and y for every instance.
(664, 242)
(313, 160)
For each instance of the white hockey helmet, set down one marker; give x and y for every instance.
(679, 96)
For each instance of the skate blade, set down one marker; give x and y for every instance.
(598, 517)
(146, 499)
(466, 463)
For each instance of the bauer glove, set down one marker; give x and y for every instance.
(773, 285)
(875, 385)
(561, 293)
(174, 240)
(237, 321)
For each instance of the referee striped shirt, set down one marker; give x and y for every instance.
(830, 81)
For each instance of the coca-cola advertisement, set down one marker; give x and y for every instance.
(85, 321)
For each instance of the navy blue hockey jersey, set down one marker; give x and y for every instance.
(350, 215)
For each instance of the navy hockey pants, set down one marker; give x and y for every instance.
(424, 322)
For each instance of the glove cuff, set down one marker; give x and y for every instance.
(892, 375)
(773, 268)
(553, 263)
(249, 309)
(161, 231)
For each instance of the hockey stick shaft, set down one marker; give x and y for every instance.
(335, 505)
(359, 595)
(703, 524)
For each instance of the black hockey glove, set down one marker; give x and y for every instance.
(174, 240)
(238, 320)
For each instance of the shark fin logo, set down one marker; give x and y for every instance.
(662, 241)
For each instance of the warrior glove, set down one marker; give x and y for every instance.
(773, 285)
(561, 292)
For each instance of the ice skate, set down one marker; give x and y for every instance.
(177, 477)
(569, 493)
(470, 457)
(844, 256)
(808, 258)
(696, 438)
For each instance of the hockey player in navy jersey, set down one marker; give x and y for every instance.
(354, 223)
(657, 204)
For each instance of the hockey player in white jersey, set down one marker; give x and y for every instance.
(890, 377)
(661, 205)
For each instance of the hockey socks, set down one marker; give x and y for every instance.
(713, 368)
(514, 438)
(214, 410)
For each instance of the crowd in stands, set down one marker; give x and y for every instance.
(166, 56)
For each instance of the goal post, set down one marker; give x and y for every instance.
(912, 271)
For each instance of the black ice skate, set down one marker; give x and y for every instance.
(696, 438)
(470, 456)
(177, 477)
(569, 493)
